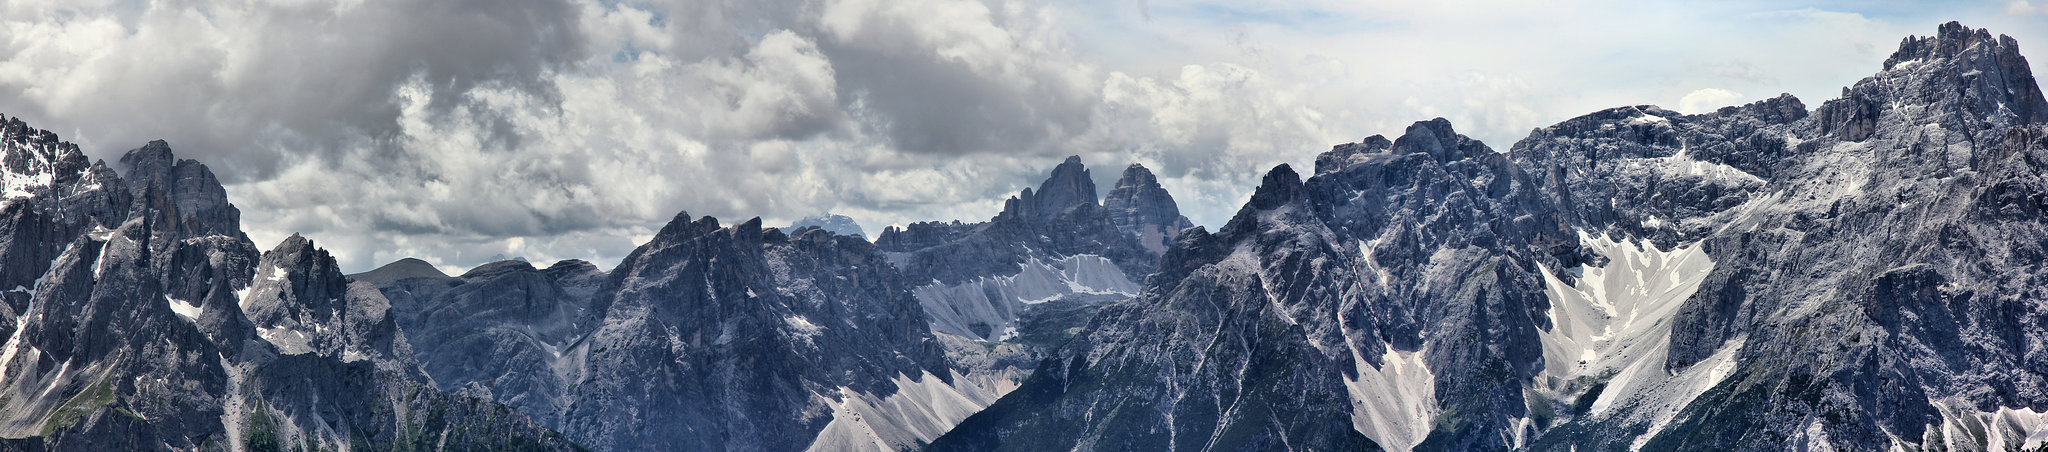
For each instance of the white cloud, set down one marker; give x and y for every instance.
(454, 131)
(2019, 8)
(1707, 99)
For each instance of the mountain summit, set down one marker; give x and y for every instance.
(1140, 207)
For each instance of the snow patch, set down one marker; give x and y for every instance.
(1964, 428)
(801, 325)
(1365, 251)
(1683, 163)
(996, 302)
(242, 296)
(1615, 324)
(1395, 404)
(99, 261)
(289, 341)
(184, 309)
(24, 185)
(1658, 397)
(15, 343)
(1814, 438)
(921, 409)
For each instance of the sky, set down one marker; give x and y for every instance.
(459, 131)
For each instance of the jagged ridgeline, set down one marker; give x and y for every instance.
(1865, 275)
(140, 317)
(715, 337)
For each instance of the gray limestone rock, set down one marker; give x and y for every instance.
(740, 338)
(1141, 208)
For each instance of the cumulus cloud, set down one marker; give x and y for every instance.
(460, 130)
(2019, 8)
(1707, 99)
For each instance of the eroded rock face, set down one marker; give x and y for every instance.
(1141, 208)
(1937, 203)
(49, 194)
(301, 303)
(1862, 277)
(1317, 282)
(979, 280)
(498, 331)
(1067, 187)
(739, 338)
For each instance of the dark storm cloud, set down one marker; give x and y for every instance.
(250, 86)
(927, 104)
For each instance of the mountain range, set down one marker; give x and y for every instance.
(1870, 274)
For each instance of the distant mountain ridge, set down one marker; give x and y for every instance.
(836, 224)
(1864, 275)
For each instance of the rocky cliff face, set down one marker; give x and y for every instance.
(705, 338)
(1001, 294)
(737, 332)
(975, 280)
(1365, 299)
(1141, 208)
(1069, 186)
(1756, 278)
(499, 331)
(1910, 235)
(740, 338)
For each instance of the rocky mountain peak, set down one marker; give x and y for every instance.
(303, 273)
(1343, 155)
(1142, 208)
(573, 266)
(156, 156)
(1137, 175)
(684, 227)
(197, 203)
(1068, 186)
(1950, 40)
(34, 161)
(1280, 187)
(1437, 138)
(1960, 78)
